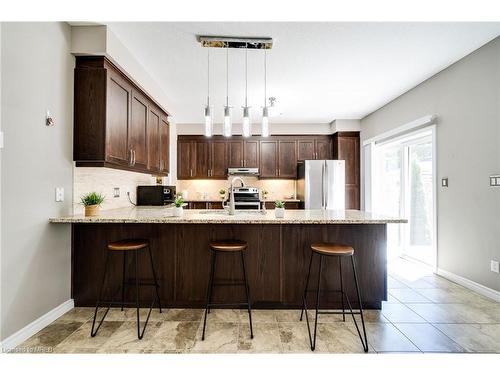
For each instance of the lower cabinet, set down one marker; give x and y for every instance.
(212, 205)
(288, 205)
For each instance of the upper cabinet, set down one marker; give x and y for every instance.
(115, 123)
(346, 147)
(276, 157)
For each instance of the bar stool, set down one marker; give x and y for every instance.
(125, 247)
(227, 246)
(339, 251)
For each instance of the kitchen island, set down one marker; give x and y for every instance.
(277, 256)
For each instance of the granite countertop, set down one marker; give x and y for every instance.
(165, 215)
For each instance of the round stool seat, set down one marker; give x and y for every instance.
(228, 245)
(329, 248)
(124, 245)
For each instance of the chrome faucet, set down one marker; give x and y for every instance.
(232, 208)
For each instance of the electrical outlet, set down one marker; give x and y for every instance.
(59, 194)
(116, 192)
(494, 266)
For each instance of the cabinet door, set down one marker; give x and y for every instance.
(268, 159)
(201, 159)
(305, 149)
(251, 154)
(119, 94)
(218, 159)
(323, 149)
(235, 154)
(164, 145)
(287, 159)
(137, 139)
(184, 159)
(153, 140)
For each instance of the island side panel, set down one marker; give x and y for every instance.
(369, 242)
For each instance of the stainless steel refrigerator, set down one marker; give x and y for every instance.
(321, 184)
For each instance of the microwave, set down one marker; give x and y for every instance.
(155, 195)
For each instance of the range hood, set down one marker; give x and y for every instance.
(243, 171)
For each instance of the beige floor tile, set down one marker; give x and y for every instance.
(77, 314)
(393, 283)
(219, 338)
(266, 338)
(399, 313)
(49, 337)
(259, 316)
(390, 299)
(474, 337)
(81, 337)
(294, 337)
(455, 295)
(113, 315)
(125, 338)
(71, 350)
(408, 296)
(173, 337)
(339, 338)
(224, 315)
(428, 338)
(455, 313)
(287, 316)
(184, 315)
(384, 337)
(155, 316)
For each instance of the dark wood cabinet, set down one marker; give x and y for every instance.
(268, 159)
(218, 160)
(346, 147)
(116, 124)
(287, 159)
(323, 148)
(201, 159)
(164, 145)
(305, 149)
(235, 154)
(185, 151)
(251, 154)
(288, 205)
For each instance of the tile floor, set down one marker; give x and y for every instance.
(424, 313)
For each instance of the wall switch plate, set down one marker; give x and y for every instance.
(444, 182)
(495, 180)
(116, 192)
(494, 266)
(1, 139)
(59, 194)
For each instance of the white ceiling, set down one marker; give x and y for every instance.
(318, 71)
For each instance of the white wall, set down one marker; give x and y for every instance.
(466, 99)
(37, 72)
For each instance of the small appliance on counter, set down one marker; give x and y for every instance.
(246, 198)
(155, 195)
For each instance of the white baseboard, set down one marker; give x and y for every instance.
(25, 333)
(469, 284)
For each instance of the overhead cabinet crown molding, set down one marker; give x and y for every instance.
(116, 124)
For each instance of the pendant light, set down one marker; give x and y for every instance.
(227, 126)
(208, 110)
(265, 110)
(247, 132)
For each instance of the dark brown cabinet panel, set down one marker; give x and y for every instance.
(201, 159)
(287, 159)
(323, 149)
(153, 133)
(111, 120)
(268, 159)
(118, 114)
(185, 150)
(251, 154)
(346, 147)
(164, 145)
(218, 159)
(235, 154)
(305, 149)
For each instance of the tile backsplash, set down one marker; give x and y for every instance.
(104, 180)
(209, 189)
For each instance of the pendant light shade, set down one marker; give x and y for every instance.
(265, 110)
(247, 125)
(227, 128)
(208, 111)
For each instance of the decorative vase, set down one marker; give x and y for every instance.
(178, 211)
(92, 210)
(279, 212)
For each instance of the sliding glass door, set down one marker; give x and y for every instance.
(403, 185)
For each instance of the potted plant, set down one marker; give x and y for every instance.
(92, 202)
(279, 210)
(222, 194)
(178, 203)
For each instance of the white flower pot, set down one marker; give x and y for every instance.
(178, 211)
(279, 212)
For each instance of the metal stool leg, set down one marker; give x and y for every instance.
(157, 286)
(92, 332)
(341, 289)
(247, 291)
(307, 285)
(365, 342)
(140, 334)
(123, 278)
(209, 292)
(317, 302)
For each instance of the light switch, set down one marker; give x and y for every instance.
(444, 182)
(116, 192)
(59, 194)
(1, 139)
(495, 180)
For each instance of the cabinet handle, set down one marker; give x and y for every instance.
(134, 157)
(279, 172)
(242, 162)
(190, 173)
(130, 157)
